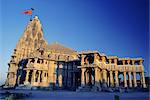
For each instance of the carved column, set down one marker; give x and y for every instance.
(115, 61)
(128, 61)
(110, 61)
(60, 80)
(104, 75)
(82, 59)
(111, 79)
(51, 73)
(95, 57)
(43, 73)
(134, 79)
(133, 62)
(18, 81)
(74, 80)
(125, 81)
(103, 59)
(143, 80)
(123, 61)
(86, 77)
(39, 76)
(96, 77)
(33, 76)
(116, 79)
(141, 62)
(129, 78)
(82, 77)
(27, 76)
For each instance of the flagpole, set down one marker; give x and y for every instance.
(31, 14)
(31, 17)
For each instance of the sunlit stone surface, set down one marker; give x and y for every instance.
(36, 64)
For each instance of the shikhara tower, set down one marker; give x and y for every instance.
(38, 64)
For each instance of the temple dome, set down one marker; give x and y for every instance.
(58, 48)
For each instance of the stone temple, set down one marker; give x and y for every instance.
(36, 63)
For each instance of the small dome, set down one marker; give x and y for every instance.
(36, 17)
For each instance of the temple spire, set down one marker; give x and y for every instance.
(33, 35)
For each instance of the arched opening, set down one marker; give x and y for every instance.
(127, 78)
(36, 76)
(89, 76)
(139, 83)
(30, 76)
(89, 59)
(121, 79)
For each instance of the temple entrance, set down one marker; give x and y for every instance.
(89, 76)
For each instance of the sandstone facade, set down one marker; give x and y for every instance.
(37, 63)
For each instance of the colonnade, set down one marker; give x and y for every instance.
(38, 78)
(112, 78)
(107, 69)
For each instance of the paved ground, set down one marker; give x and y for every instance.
(67, 95)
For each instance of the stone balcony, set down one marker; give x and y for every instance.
(132, 68)
(121, 68)
(37, 66)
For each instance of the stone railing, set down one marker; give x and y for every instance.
(30, 65)
(37, 66)
(135, 68)
(121, 68)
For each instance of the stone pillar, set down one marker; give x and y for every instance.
(95, 57)
(96, 77)
(129, 78)
(65, 74)
(82, 77)
(33, 76)
(134, 79)
(51, 73)
(60, 80)
(104, 75)
(123, 61)
(18, 81)
(133, 62)
(125, 81)
(128, 61)
(108, 82)
(86, 77)
(43, 72)
(74, 66)
(143, 80)
(110, 61)
(111, 79)
(141, 62)
(39, 76)
(116, 79)
(103, 59)
(74, 79)
(115, 60)
(36, 59)
(27, 76)
(82, 59)
(100, 76)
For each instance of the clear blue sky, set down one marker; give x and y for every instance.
(115, 27)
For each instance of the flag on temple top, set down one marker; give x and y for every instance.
(28, 11)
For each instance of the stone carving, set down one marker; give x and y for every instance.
(34, 63)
